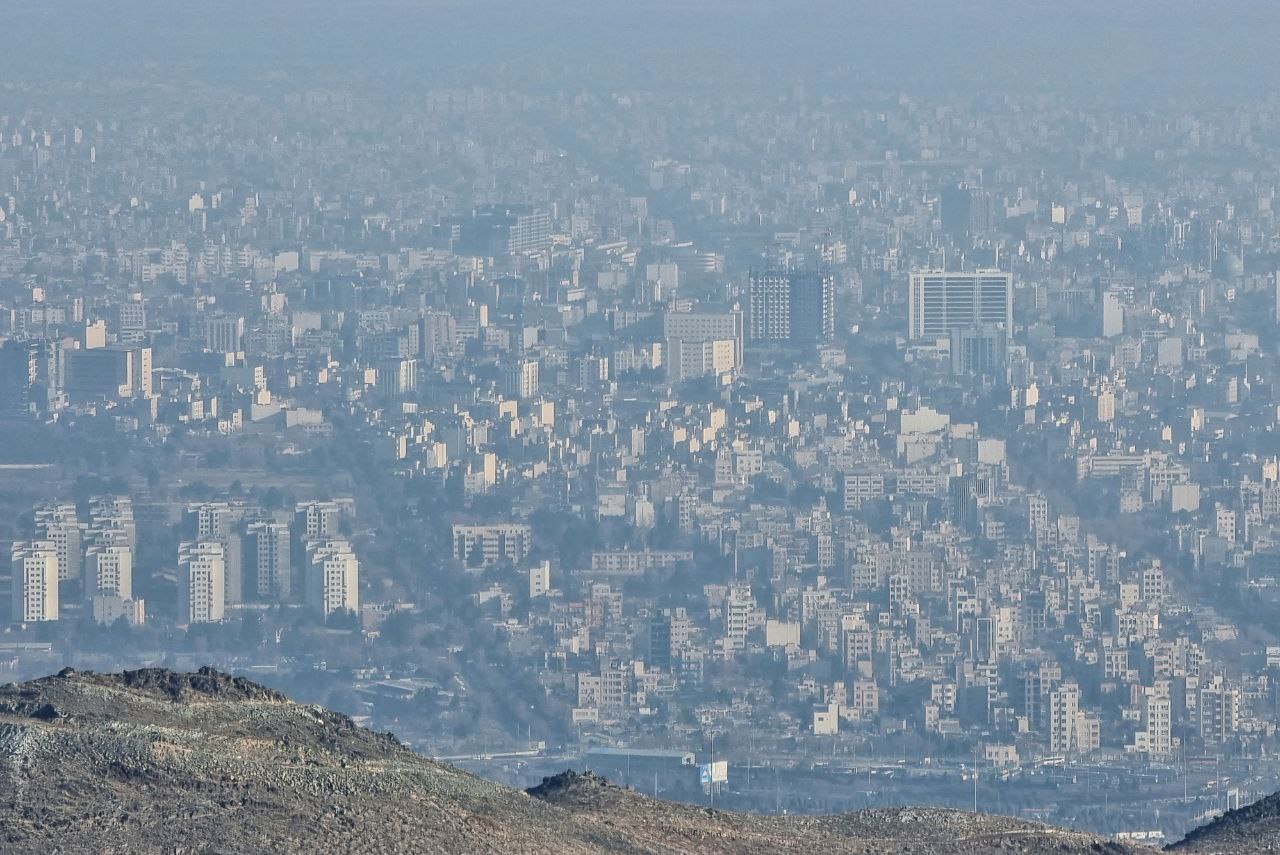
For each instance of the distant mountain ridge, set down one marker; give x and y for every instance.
(160, 761)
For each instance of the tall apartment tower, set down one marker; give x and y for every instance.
(319, 520)
(1156, 737)
(540, 579)
(220, 521)
(108, 571)
(268, 543)
(59, 523)
(201, 582)
(19, 370)
(704, 324)
(397, 377)
(798, 306)
(112, 514)
(520, 379)
(1064, 712)
(966, 211)
(224, 333)
(109, 543)
(940, 302)
(34, 570)
(331, 579)
(769, 300)
(980, 349)
(497, 229)
(1112, 315)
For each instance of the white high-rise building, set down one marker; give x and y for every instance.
(1106, 403)
(941, 301)
(738, 608)
(319, 520)
(59, 523)
(112, 514)
(201, 582)
(220, 521)
(224, 333)
(705, 324)
(540, 580)
(1225, 523)
(1218, 711)
(1064, 710)
(108, 571)
(34, 570)
(797, 306)
(1112, 315)
(487, 544)
(520, 379)
(269, 545)
(687, 360)
(332, 577)
(1156, 736)
(212, 520)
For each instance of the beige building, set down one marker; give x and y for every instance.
(108, 571)
(826, 720)
(540, 579)
(1156, 736)
(1064, 719)
(60, 524)
(489, 544)
(688, 359)
(34, 568)
(269, 551)
(201, 582)
(332, 581)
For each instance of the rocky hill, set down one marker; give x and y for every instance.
(1251, 830)
(157, 761)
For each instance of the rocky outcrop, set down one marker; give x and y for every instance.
(159, 761)
(1251, 830)
(663, 826)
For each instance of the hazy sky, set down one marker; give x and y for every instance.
(1087, 46)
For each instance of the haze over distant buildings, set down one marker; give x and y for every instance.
(879, 400)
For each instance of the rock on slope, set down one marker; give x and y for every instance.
(157, 761)
(1250, 830)
(664, 826)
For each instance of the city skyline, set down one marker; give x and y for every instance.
(880, 401)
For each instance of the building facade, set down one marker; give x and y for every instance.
(941, 301)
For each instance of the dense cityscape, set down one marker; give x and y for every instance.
(886, 445)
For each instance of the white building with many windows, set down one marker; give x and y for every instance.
(332, 578)
(942, 301)
(34, 568)
(201, 582)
